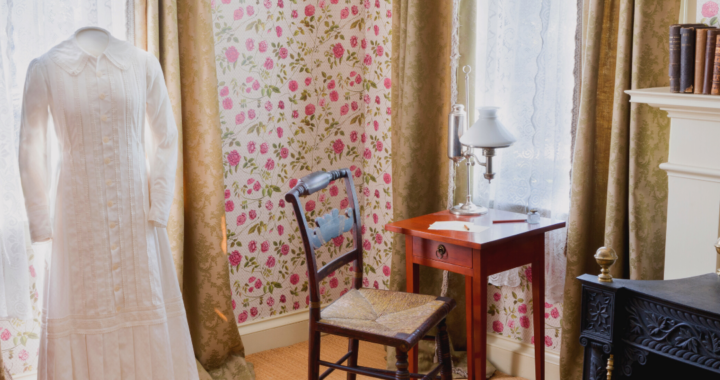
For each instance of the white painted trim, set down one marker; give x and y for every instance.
(26, 376)
(691, 172)
(507, 355)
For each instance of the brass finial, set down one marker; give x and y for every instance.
(605, 257)
(610, 367)
(717, 249)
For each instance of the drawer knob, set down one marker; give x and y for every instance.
(441, 251)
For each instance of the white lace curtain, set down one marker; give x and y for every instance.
(28, 28)
(525, 54)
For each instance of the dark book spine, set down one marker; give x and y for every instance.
(687, 59)
(716, 71)
(709, 60)
(700, 42)
(674, 58)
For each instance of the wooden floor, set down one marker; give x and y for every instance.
(290, 363)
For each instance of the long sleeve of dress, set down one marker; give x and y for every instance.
(33, 157)
(163, 161)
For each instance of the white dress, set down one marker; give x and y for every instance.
(113, 308)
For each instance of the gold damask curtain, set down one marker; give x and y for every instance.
(196, 228)
(619, 195)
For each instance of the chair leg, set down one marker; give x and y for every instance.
(445, 358)
(402, 365)
(314, 356)
(353, 346)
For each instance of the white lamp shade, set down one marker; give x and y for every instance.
(487, 131)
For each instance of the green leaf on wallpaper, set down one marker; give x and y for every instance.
(514, 295)
(23, 340)
(713, 20)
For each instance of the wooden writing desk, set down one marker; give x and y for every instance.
(477, 255)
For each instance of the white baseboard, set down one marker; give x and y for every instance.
(26, 376)
(509, 356)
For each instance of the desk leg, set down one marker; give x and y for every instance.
(538, 293)
(470, 325)
(476, 315)
(412, 277)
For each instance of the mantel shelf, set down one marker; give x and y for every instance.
(662, 98)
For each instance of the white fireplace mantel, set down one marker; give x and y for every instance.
(693, 168)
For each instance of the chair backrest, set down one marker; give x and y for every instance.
(328, 226)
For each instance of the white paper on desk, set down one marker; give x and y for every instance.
(457, 226)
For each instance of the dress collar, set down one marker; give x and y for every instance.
(72, 58)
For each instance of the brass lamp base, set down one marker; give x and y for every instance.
(468, 208)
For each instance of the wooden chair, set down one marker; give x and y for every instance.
(385, 317)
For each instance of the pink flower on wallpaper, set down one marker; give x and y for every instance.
(281, 203)
(498, 327)
(376, 125)
(378, 238)
(270, 301)
(379, 146)
(376, 285)
(280, 230)
(366, 98)
(377, 193)
(309, 10)
(375, 218)
(294, 14)
(278, 31)
(233, 158)
(293, 182)
(548, 305)
(389, 111)
(522, 309)
(377, 99)
(388, 206)
(267, 4)
(555, 313)
(308, 80)
(528, 273)
(227, 103)
(279, 130)
(367, 245)
(321, 4)
(709, 9)
(511, 324)
(334, 96)
(285, 249)
(268, 63)
(387, 178)
(256, 85)
(363, 43)
(366, 4)
(524, 321)
(250, 44)
(23, 355)
(294, 278)
(251, 114)
(234, 304)
(264, 148)
(334, 191)
(321, 198)
(251, 280)
(270, 262)
(283, 53)
(32, 271)
(331, 84)
(354, 10)
(354, 106)
(379, 51)
(363, 138)
(252, 214)
(358, 79)
(386, 270)
(310, 205)
(338, 146)
(270, 164)
(268, 106)
(251, 147)
(243, 317)
(283, 299)
(235, 257)
(269, 205)
(238, 14)
(376, 29)
(358, 173)
(284, 152)
(250, 10)
(224, 91)
(229, 206)
(344, 13)
(239, 118)
(241, 219)
(344, 203)
(338, 241)
(353, 41)
(344, 110)
(334, 282)
(366, 282)
(367, 154)
(252, 246)
(296, 305)
(262, 46)
(309, 109)
(293, 85)
(5, 335)
(368, 60)
(322, 102)
(377, 3)
(258, 283)
(388, 83)
(389, 14)
(548, 341)
(496, 297)
(253, 311)
(256, 187)
(226, 1)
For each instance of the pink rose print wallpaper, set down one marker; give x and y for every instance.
(707, 12)
(303, 86)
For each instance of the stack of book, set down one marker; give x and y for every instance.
(695, 59)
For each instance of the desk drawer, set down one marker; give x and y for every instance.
(442, 252)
